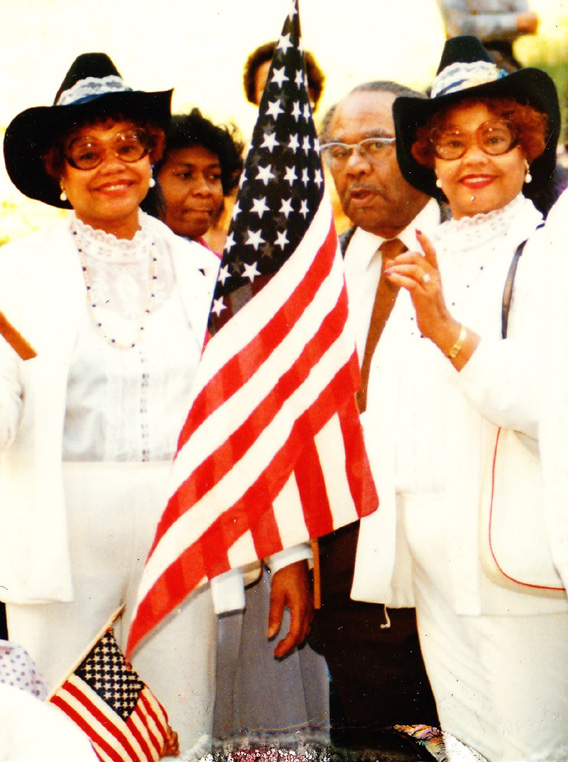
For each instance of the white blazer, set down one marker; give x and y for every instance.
(42, 292)
(501, 385)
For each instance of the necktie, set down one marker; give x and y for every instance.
(385, 298)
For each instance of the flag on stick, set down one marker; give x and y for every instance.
(272, 451)
(105, 697)
(15, 339)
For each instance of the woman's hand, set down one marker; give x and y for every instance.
(419, 274)
(171, 744)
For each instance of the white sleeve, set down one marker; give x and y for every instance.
(503, 377)
(553, 432)
(11, 402)
(288, 556)
(501, 380)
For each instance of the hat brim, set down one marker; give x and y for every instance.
(30, 134)
(529, 85)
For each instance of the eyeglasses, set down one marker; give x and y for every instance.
(495, 137)
(87, 153)
(370, 148)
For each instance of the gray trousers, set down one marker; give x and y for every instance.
(255, 691)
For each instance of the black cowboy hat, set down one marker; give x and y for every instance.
(467, 70)
(91, 89)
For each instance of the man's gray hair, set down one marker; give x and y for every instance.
(377, 86)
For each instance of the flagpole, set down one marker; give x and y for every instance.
(109, 623)
(316, 573)
(15, 339)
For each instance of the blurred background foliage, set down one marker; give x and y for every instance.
(548, 50)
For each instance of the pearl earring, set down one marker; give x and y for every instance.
(438, 183)
(152, 182)
(528, 176)
(63, 195)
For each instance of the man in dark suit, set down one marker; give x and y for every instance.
(378, 677)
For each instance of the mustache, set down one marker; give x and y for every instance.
(363, 187)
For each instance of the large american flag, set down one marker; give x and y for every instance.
(272, 452)
(119, 713)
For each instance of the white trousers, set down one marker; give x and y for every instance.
(113, 510)
(500, 682)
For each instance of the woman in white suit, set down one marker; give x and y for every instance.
(454, 427)
(115, 306)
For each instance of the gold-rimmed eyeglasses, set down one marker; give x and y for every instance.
(87, 153)
(494, 137)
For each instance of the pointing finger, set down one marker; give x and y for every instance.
(427, 248)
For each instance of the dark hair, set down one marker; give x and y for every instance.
(387, 86)
(376, 86)
(531, 127)
(193, 129)
(265, 52)
(53, 157)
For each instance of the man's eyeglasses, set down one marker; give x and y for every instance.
(495, 137)
(370, 148)
(87, 153)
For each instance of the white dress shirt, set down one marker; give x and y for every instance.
(363, 268)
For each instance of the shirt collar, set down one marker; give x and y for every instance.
(365, 244)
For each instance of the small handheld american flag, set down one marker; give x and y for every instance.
(272, 451)
(106, 698)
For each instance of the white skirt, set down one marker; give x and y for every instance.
(112, 511)
(500, 682)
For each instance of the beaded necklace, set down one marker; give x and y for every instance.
(93, 305)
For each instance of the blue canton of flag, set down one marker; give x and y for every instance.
(106, 698)
(281, 186)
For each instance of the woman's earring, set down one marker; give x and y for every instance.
(528, 176)
(63, 195)
(438, 183)
(152, 182)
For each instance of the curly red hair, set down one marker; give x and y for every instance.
(532, 127)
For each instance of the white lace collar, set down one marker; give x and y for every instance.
(107, 247)
(481, 229)
(125, 280)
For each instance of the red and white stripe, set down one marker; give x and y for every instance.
(140, 738)
(272, 451)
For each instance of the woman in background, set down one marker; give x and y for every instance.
(201, 166)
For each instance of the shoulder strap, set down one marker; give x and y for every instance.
(508, 290)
